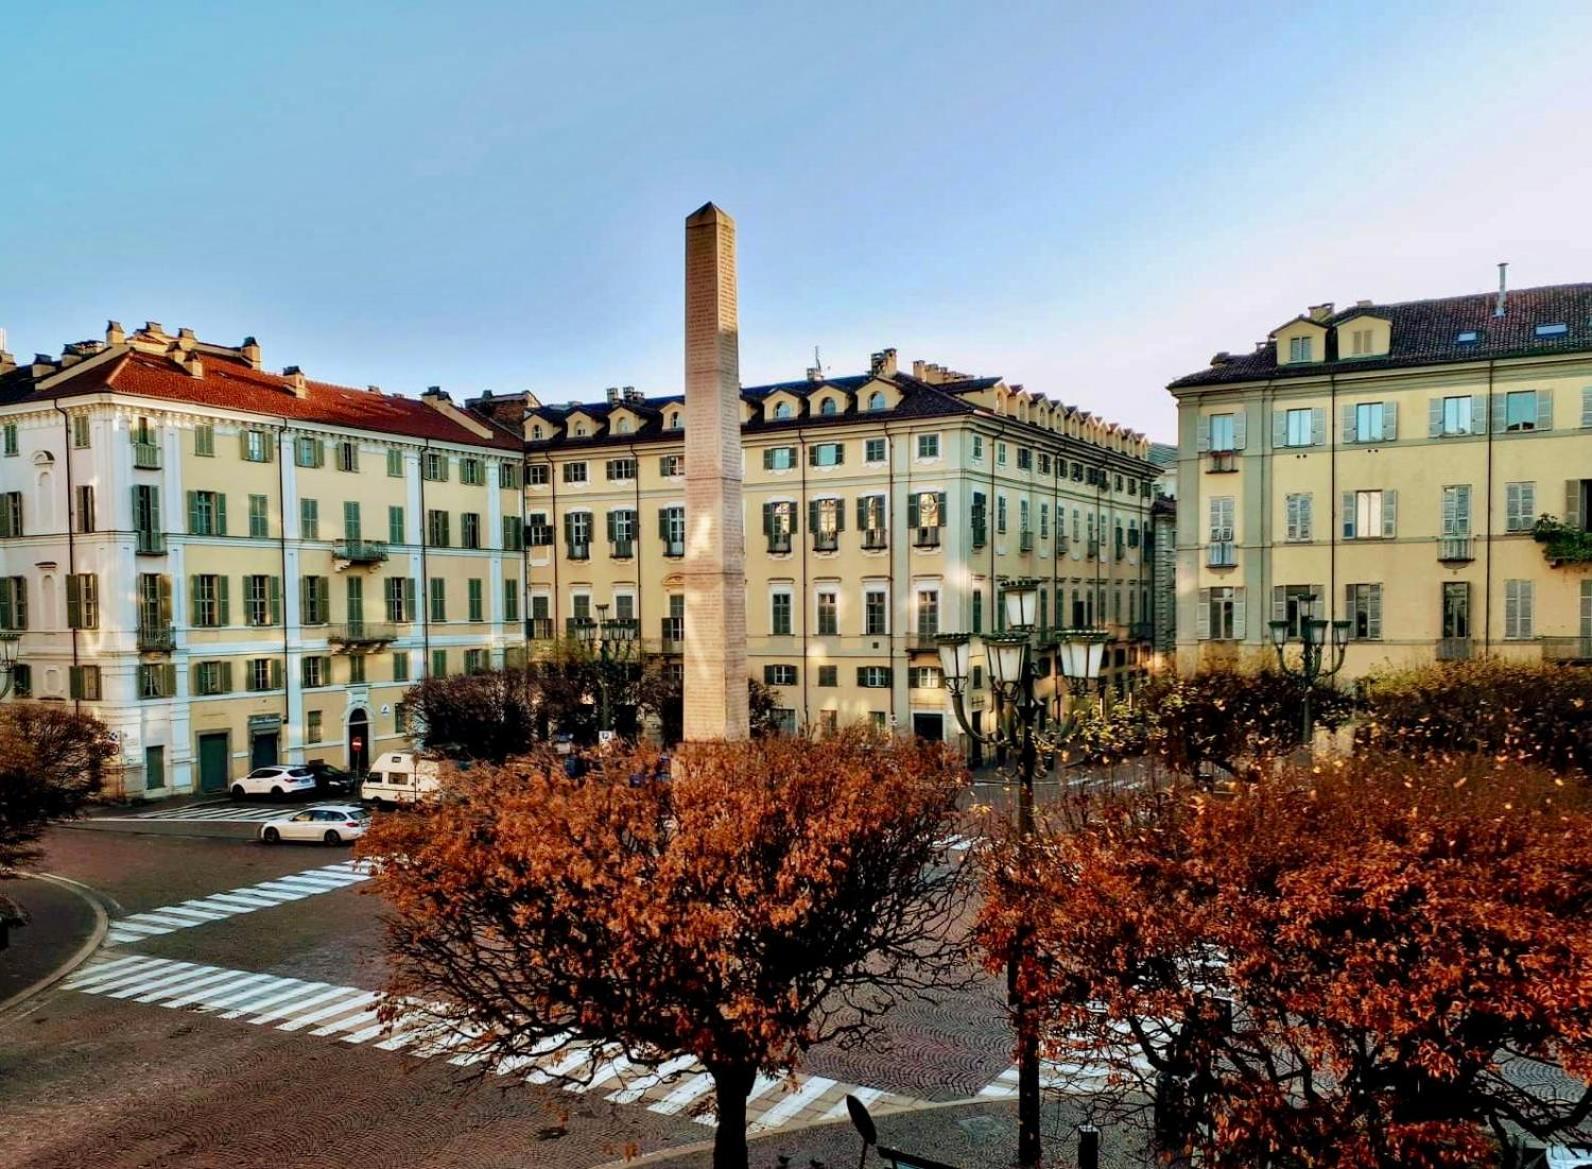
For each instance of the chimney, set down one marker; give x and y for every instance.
(114, 333)
(1503, 288)
(153, 329)
(377, 391)
(918, 370)
(631, 394)
(883, 363)
(436, 394)
(1362, 304)
(296, 381)
(186, 340)
(815, 374)
(612, 393)
(250, 351)
(1222, 358)
(1320, 312)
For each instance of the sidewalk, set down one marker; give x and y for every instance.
(61, 922)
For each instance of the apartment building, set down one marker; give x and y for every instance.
(232, 567)
(1392, 461)
(881, 509)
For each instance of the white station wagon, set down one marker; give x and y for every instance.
(332, 823)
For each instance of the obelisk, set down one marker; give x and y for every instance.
(715, 559)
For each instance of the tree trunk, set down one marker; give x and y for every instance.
(732, 1084)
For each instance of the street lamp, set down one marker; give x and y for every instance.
(1019, 726)
(1319, 641)
(9, 643)
(612, 642)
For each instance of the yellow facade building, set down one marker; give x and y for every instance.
(1392, 461)
(232, 567)
(880, 510)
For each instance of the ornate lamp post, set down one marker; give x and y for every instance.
(8, 660)
(612, 642)
(1319, 642)
(1020, 724)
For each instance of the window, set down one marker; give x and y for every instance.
(508, 476)
(779, 675)
(928, 612)
(356, 669)
(157, 680)
(927, 678)
(207, 513)
(977, 605)
(1519, 603)
(829, 676)
(353, 526)
(782, 410)
(473, 600)
(779, 524)
(1221, 614)
(22, 680)
(574, 472)
(469, 529)
(315, 600)
(873, 677)
(1456, 510)
(1364, 606)
(537, 475)
(439, 663)
(1362, 342)
(1556, 330)
(1000, 515)
(871, 521)
(82, 601)
(348, 455)
(671, 528)
(828, 613)
(875, 612)
(1454, 415)
(978, 448)
(1299, 348)
(1000, 454)
(827, 519)
(263, 674)
(779, 458)
(1222, 434)
(259, 517)
(1521, 411)
(310, 519)
(620, 470)
(671, 466)
(513, 533)
(674, 623)
(13, 602)
(204, 441)
(262, 600)
(212, 678)
(1299, 427)
(83, 511)
(1456, 609)
(779, 622)
(1370, 515)
(511, 599)
(873, 450)
(1520, 506)
(472, 472)
(1044, 521)
(928, 446)
(437, 532)
(257, 446)
(876, 400)
(1367, 423)
(434, 466)
(475, 661)
(439, 599)
(80, 431)
(400, 665)
(827, 454)
(9, 433)
(313, 726)
(395, 525)
(400, 598)
(1467, 336)
(1025, 459)
(395, 463)
(11, 513)
(307, 451)
(673, 422)
(1291, 603)
(1298, 509)
(577, 535)
(208, 601)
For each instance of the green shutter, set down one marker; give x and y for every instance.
(193, 513)
(812, 515)
(223, 601)
(768, 519)
(221, 513)
(226, 678)
(276, 600)
(74, 602)
(912, 510)
(939, 499)
(862, 675)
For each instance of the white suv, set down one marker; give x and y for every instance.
(274, 781)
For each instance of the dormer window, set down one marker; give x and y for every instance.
(828, 407)
(1299, 349)
(876, 400)
(622, 426)
(1552, 330)
(674, 420)
(782, 410)
(536, 431)
(1468, 337)
(580, 430)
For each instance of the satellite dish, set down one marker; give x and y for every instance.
(862, 1120)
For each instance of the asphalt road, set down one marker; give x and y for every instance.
(223, 1027)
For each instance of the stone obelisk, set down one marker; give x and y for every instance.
(715, 558)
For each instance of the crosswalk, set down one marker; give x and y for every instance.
(347, 1014)
(248, 899)
(217, 813)
(1072, 1077)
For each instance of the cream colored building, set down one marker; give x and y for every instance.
(233, 567)
(880, 509)
(1392, 460)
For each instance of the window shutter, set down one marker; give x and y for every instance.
(1511, 608)
(1390, 514)
(1462, 510)
(840, 515)
(612, 522)
(792, 512)
(1279, 428)
(1528, 504)
(663, 523)
(812, 455)
(323, 586)
(1240, 428)
(1500, 416)
(1511, 506)
(1528, 626)
(1318, 426)
(221, 513)
(1451, 511)
(862, 513)
(1348, 424)
(1202, 616)
(939, 503)
(1544, 409)
(1572, 502)
(1478, 413)
(912, 510)
(1306, 506)
(1202, 434)
(1348, 515)
(768, 458)
(812, 515)
(569, 528)
(1586, 407)
(243, 443)
(276, 600)
(1240, 615)
(840, 453)
(226, 678)
(223, 602)
(1434, 418)
(74, 602)
(1279, 603)
(193, 512)
(768, 519)
(1586, 608)
(1373, 619)
(275, 680)
(862, 675)
(197, 673)
(1390, 421)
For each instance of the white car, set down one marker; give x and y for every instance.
(278, 780)
(333, 823)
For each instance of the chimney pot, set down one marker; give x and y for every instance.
(1503, 289)
(292, 371)
(154, 328)
(1362, 304)
(1320, 312)
(114, 333)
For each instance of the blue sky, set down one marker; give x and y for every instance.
(1089, 199)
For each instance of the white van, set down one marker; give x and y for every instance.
(400, 777)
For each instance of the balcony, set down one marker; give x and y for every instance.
(156, 639)
(1222, 554)
(826, 541)
(673, 636)
(674, 549)
(622, 549)
(1567, 649)
(779, 542)
(1454, 649)
(1455, 549)
(1223, 462)
(147, 543)
(360, 551)
(875, 539)
(361, 634)
(924, 641)
(926, 537)
(578, 551)
(539, 628)
(146, 456)
(1025, 541)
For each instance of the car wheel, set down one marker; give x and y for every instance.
(333, 836)
(276, 793)
(271, 836)
(237, 791)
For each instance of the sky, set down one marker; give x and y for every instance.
(1089, 199)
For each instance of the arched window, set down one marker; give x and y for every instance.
(622, 426)
(876, 400)
(782, 410)
(828, 406)
(536, 431)
(674, 420)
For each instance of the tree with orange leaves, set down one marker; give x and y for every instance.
(1374, 965)
(766, 897)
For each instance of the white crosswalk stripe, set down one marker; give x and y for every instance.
(348, 1013)
(1073, 1077)
(200, 911)
(222, 813)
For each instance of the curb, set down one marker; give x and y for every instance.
(83, 952)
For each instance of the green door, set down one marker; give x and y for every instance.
(213, 758)
(154, 768)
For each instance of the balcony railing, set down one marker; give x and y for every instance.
(874, 539)
(156, 639)
(1025, 541)
(924, 641)
(539, 628)
(826, 541)
(779, 541)
(580, 551)
(1222, 461)
(1454, 649)
(622, 549)
(926, 537)
(1455, 549)
(361, 633)
(674, 549)
(147, 543)
(360, 551)
(1567, 649)
(1221, 555)
(146, 456)
(673, 636)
